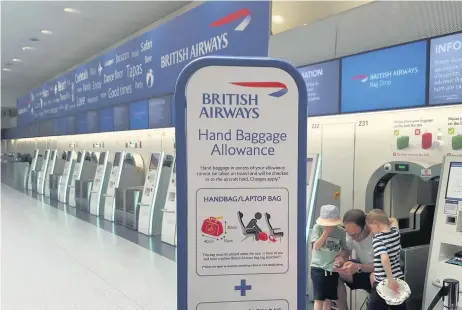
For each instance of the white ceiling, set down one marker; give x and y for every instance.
(75, 38)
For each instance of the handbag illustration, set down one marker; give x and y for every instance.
(212, 227)
(402, 142)
(457, 142)
(427, 140)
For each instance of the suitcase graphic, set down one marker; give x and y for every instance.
(212, 227)
(427, 140)
(457, 142)
(402, 142)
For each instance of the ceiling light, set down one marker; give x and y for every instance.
(71, 10)
(277, 19)
(16, 60)
(27, 48)
(46, 32)
(6, 69)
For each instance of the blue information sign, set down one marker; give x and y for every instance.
(446, 70)
(139, 115)
(147, 66)
(322, 87)
(391, 78)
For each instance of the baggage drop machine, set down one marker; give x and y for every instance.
(408, 191)
(55, 167)
(84, 169)
(169, 210)
(99, 186)
(41, 175)
(445, 258)
(68, 171)
(35, 166)
(318, 193)
(127, 171)
(154, 194)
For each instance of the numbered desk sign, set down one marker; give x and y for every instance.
(241, 162)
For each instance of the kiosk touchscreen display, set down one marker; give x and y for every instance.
(117, 159)
(102, 157)
(79, 157)
(454, 186)
(154, 162)
(53, 153)
(35, 153)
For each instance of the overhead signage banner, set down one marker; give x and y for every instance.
(446, 70)
(241, 174)
(390, 78)
(148, 66)
(322, 87)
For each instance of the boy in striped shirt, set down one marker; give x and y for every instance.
(386, 243)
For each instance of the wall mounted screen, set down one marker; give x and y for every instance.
(139, 115)
(160, 112)
(81, 123)
(106, 120)
(385, 79)
(121, 118)
(323, 86)
(93, 121)
(446, 70)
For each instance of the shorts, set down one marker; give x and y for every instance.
(377, 303)
(361, 281)
(324, 284)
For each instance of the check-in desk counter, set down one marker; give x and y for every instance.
(82, 194)
(127, 206)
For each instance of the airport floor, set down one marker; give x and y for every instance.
(53, 260)
(54, 257)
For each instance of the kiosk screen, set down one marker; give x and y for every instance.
(53, 153)
(102, 157)
(79, 157)
(154, 162)
(454, 186)
(117, 159)
(69, 154)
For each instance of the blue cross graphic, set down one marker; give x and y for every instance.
(243, 288)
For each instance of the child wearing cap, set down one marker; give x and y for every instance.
(329, 242)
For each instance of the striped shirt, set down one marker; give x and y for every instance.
(387, 243)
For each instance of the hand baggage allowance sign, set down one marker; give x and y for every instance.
(241, 162)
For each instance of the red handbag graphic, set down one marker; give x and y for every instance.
(427, 140)
(211, 226)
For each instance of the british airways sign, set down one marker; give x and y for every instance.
(148, 66)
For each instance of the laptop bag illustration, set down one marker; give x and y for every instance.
(402, 142)
(457, 142)
(427, 140)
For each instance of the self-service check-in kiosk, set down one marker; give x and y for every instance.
(407, 191)
(35, 167)
(55, 168)
(154, 194)
(169, 217)
(41, 175)
(127, 171)
(318, 193)
(445, 257)
(84, 169)
(63, 191)
(99, 184)
(54, 178)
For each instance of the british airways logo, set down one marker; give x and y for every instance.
(212, 44)
(363, 78)
(243, 14)
(281, 87)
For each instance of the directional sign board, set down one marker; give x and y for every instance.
(241, 164)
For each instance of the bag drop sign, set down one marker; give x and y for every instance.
(241, 198)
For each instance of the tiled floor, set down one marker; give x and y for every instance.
(53, 260)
